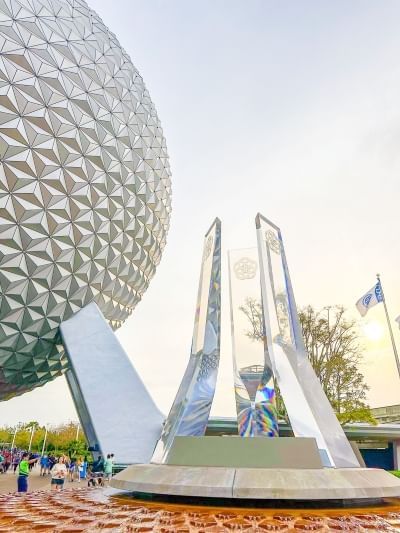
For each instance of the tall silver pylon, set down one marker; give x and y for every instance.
(308, 408)
(191, 408)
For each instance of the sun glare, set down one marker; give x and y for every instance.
(373, 331)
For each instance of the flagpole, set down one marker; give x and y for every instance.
(44, 440)
(13, 441)
(396, 355)
(30, 442)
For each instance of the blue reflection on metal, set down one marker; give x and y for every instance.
(191, 408)
(257, 414)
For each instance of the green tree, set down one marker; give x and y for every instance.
(58, 438)
(33, 424)
(5, 435)
(333, 347)
(76, 449)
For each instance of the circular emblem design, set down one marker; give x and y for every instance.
(283, 316)
(367, 299)
(273, 243)
(245, 268)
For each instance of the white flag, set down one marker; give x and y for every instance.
(372, 297)
(398, 321)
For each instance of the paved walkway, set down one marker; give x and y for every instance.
(8, 482)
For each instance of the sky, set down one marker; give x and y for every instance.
(286, 108)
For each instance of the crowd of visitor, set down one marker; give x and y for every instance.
(59, 469)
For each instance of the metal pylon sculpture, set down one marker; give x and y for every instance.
(308, 408)
(191, 408)
(253, 376)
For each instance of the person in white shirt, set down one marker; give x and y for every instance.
(58, 474)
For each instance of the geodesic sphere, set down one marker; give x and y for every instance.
(84, 182)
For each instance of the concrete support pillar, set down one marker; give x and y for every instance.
(115, 409)
(396, 454)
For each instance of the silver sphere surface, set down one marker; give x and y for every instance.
(85, 188)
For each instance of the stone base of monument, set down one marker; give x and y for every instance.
(258, 469)
(259, 483)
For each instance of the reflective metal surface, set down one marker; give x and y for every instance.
(254, 385)
(308, 408)
(191, 408)
(116, 411)
(85, 186)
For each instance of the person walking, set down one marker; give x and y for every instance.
(71, 469)
(31, 461)
(83, 468)
(79, 468)
(23, 472)
(7, 460)
(52, 462)
(58, 474)
(108, 468)
(44, 465)
(15, 461)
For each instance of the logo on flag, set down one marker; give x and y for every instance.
(398, 321)
(367, 299)
(373, 297)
